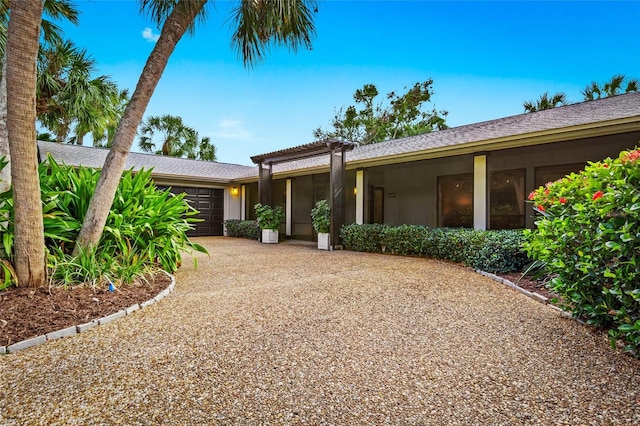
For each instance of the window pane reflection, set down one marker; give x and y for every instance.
(506, 195)
(455, 201)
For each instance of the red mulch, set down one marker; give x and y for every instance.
(31, 312)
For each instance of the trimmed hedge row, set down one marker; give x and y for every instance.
(490, 251)
(242, 228)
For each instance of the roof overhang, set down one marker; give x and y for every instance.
(605, 128)
(624, 125)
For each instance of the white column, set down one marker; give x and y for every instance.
(480, 192)
(359, 197)
(288, 209)
(243, 202)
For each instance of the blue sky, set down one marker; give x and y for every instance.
(485, 58)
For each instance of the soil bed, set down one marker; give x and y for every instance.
(534, 286)
(31, 312)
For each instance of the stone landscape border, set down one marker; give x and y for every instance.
(540, 298)
(81, 328)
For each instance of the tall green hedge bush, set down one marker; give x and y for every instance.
(242, 228)
(491, 251)
(588, 235)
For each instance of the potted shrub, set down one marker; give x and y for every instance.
(269, 219)
(321, 220)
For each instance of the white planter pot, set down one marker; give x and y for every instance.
(323, 241)
(269, 236)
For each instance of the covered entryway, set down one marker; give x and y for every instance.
(210, 203)
(336, 148)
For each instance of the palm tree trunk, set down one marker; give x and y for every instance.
(172, 31)
(22, 50)
(5, 174)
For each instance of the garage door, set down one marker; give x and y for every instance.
(210, 203)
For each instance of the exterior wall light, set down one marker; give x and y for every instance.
(355, 190)
(234, 190)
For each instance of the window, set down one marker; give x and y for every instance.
(506, 199)
(553, 173)
(455, 201)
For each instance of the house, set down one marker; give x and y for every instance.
(477, 175)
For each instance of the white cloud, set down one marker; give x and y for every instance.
(148, 35)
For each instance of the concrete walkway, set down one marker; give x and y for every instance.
(286, 334)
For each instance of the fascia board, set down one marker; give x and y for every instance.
(302, 172)
(184, 180)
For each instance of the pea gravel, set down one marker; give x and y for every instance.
(286, 334)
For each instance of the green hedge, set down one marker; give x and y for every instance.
(588, 236)
(242, 228)
(491, 251)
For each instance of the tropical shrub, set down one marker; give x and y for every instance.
(588, 235)
(491, 251)
(145, 230)
(269, 217)
(499, 251)
(321, 217)
(366, 238)
(242, 228)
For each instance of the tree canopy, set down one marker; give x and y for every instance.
(617, 85)
(168, 135)
(70, 101)
(546, 102)
(372, 121)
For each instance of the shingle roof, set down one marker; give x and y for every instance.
(594, 113)
(74, 155)
(523, 128)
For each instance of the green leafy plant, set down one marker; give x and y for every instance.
(146, 228)
(242, 228)
(269, 217)
(321, 217)
(367, 238)
(491, 251)
(588, 237)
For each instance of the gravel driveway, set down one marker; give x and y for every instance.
(287, 334)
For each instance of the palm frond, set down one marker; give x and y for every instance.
(159, 10)
(258, 24)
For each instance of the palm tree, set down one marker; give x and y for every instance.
(117, 104)
(51, 33)
(69, 99)
(101, 120)
(546, 102)
(21, 55)
(175, 135)
(259, 24)
(206, 150)
(610, 88)
(175, 139)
